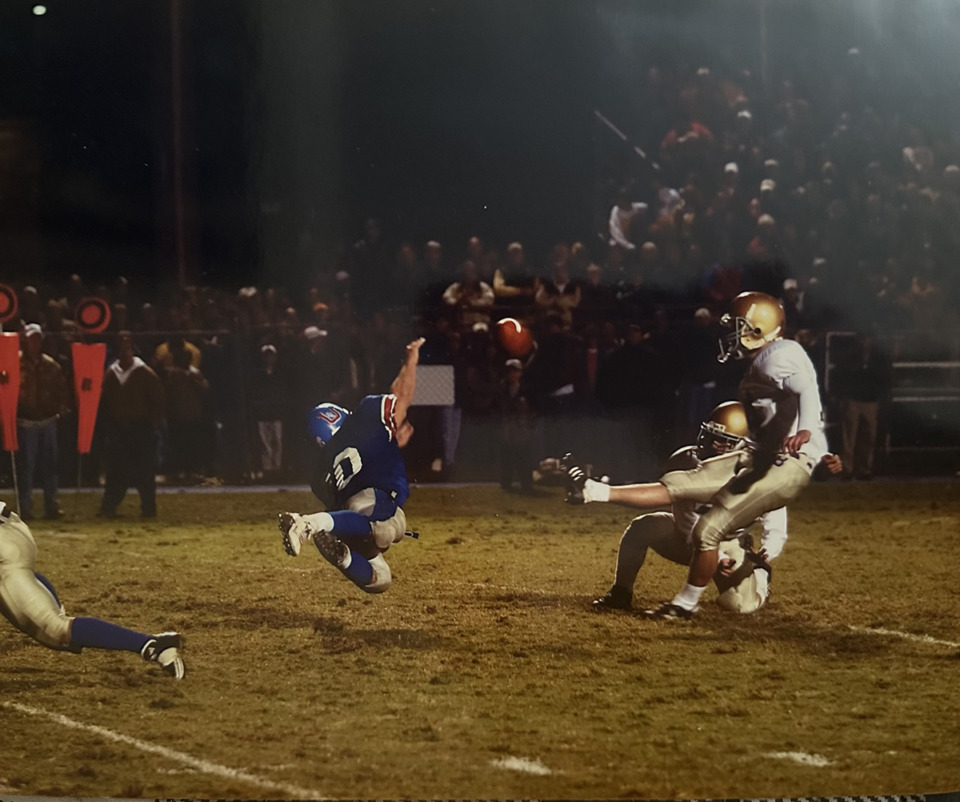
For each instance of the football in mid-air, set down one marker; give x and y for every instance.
(515, 338)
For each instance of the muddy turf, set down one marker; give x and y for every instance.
(484, 672)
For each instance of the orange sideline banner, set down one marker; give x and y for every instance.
(88, 361)
(9, 387)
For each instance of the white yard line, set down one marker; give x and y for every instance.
(522, 764)
(804, 759)
(198, 764)
(905, 635)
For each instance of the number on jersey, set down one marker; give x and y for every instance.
(346, 465)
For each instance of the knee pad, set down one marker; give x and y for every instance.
(647, 529)
(32, 608)
(710, 529)
(382, 577)
(53, 631)
(390, 531)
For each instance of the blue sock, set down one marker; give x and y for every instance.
(347, 523)
(95, 633)
(360, 572)
(46, 583)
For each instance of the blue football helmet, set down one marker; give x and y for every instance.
(325, 421)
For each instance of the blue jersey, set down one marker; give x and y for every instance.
(362, 454)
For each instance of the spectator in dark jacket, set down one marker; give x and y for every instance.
(517, 430)
(132, 409)
(186, 390)
(861, 382)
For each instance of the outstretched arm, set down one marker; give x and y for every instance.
(405, 385)
(583, 490)
(646, 496)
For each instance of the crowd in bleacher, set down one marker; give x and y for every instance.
(834, 202)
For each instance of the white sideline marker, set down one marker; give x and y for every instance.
(819, 761)
(204, 766)
(905, 636)
(521, 764)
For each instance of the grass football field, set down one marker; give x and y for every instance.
(484, 672)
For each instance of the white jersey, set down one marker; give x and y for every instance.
(687, 512)
(781, 396)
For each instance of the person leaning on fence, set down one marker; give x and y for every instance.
(41, 402)
(132, 409)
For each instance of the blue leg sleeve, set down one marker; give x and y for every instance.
(98, 634)
(360, 572)
(347, 522)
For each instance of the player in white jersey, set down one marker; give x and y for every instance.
(782, 401)
(29, 602)
(743, 575)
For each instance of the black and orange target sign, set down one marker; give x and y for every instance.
(8, 303)
(92, 315)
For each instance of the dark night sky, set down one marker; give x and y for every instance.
(454, 119)
(443, 118)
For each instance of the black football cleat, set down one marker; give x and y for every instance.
(668, 611)
(617, 598)
(331, 548)
(164, 650)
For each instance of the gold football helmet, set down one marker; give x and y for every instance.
(754, 320)
(725, 430)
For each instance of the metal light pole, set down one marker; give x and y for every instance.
(176, 116)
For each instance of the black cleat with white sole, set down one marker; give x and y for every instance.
(617, 598)
(164, 650)
(668, 611)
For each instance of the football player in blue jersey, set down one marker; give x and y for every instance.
(361, 480)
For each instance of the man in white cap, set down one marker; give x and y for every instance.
(42, 400)
(792, 300)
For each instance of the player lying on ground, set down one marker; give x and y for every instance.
(361, 480)
(29, 602)
(782, 400)
(743, 575)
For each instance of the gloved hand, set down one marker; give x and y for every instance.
(575, 480)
